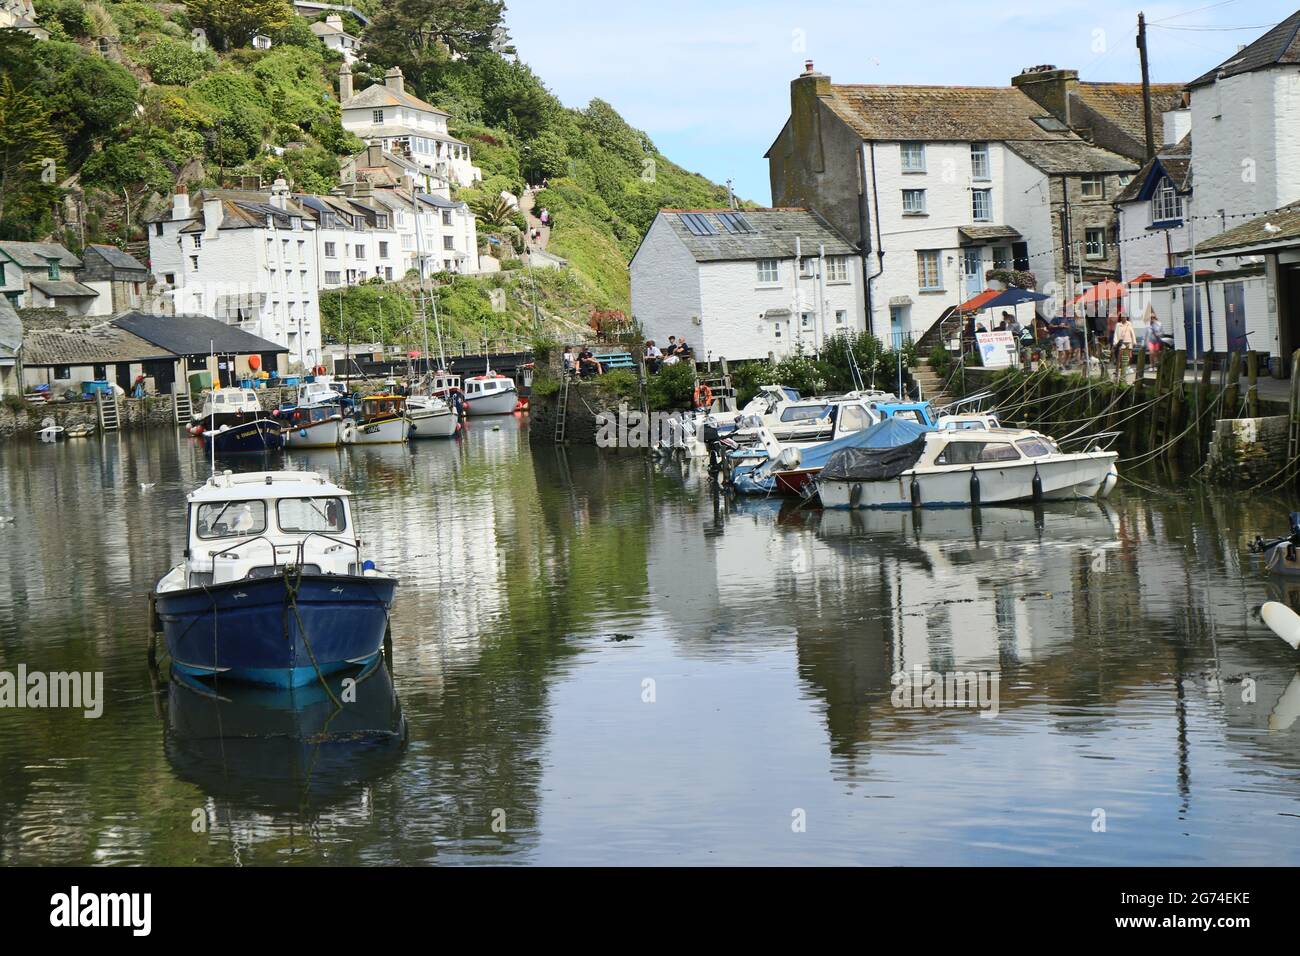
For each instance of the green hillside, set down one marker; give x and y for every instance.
(109, 127)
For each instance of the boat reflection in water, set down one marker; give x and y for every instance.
(282, 750)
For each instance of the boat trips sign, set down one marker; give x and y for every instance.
(997, 349)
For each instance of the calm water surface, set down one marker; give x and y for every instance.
(596, 661)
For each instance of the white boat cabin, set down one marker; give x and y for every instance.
(258, 523)
(231, 401)
(483, 385)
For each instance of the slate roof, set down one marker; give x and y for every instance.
(1065, 156)
(390, 129)
(1119, 106)
(193, 334)
(1175, 161)
(117, 258)
(773, 236)
(379, 95)
(980, 233)
(243, 209)
(99, 344)
(11, 329)
(1278, 47)
(942, 113)
(37, 255)
(64, 289)
(1286, 223)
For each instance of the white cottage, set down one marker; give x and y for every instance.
(745, 283)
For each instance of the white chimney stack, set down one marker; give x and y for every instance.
(1177, 124)
(212, 216)
(181, 202)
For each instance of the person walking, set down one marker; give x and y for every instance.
(1124, 341)
(1154, 342)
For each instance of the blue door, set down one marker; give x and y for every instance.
(1189, 323)
(1234, 304)
(972, 269)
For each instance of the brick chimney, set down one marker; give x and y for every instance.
(345, 82)
(1050, 88)
(181, 202)
(806, 91)
(393, 80)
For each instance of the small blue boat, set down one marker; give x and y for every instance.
(273, 589)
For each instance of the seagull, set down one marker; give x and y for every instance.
(146, 487)
(1271, 229)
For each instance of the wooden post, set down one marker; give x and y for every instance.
(1177, 406)
(1157, 404)
(1233, 390)
(1252, 377)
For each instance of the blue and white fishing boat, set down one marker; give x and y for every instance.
(232, 422)
(273, 589)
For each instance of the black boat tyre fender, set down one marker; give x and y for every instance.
(974, 487)
(1038, 487)
(916, 492)
(855, 495)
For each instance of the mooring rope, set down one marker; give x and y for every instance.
(292, 583)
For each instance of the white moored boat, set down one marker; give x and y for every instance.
(490, 394)
(313, 426)
(965, 467)
(381, 421)
(431, 417)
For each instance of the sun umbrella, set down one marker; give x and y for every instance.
(1106, 291)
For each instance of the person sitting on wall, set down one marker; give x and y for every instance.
(587, 364)
(653, 357)
(683, 350)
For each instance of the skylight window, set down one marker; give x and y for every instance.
(1050, 123)
(735, 222)
(697, 224)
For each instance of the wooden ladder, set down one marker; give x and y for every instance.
(182, 407)
(109, 418)
(562, 412)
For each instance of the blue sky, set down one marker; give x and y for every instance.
(709, 79)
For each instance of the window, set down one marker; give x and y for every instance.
(837, 269)
(383, 250)
(735, 222)
(330, 251)
(331, 278)
(63, 372)
(1001, 257)
(971, 452)
(1034, 447)
(169, 278)
(408, 241)
(197, 240)
(913, 157)
(194, 263)
(1094, 186)
(446, 217)
(808, 268)
(982, 205)
(979, 160)
(388, 273)
(929, 278)
(805, 413)
(157, 228)
(53, 270)
(226, 519)
(768, 272)
(840, 316)
(806, 320)
(913, 202)
(360, 251)
(377, 117)
(697, 225)
(1095, 243)
(310, 514)
(1166, 204)
(448, 242)
(854, 418)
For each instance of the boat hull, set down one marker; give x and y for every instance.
(430, 424)
(387, 431)
(499, 403)
(248, 630)
(325, 434)
(1068, 478)
(251, 438)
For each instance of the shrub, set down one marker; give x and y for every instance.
(673, 387)
(174, 63)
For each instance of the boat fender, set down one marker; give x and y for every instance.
(916, 492)
(855, 495)
(1038, 486)
(302, 432)
(974, 487)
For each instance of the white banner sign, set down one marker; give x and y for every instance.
(997, 349)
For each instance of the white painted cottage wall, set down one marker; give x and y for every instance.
(665, 286)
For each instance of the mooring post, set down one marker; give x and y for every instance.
(1232, 391)
(1294, 437)
(1252, 377)
(1157, 402)
(1177, 406)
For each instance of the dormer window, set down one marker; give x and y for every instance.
(1166, 204)
(54, 270)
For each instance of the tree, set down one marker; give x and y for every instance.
(235, 22)
(418, 35)
(31, 157)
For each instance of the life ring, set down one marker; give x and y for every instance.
(703, 396)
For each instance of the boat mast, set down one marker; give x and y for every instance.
(212, 405)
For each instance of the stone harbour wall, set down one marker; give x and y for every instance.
(151, 412)
(1246, 451)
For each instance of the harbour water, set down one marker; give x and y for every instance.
(597, 661)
